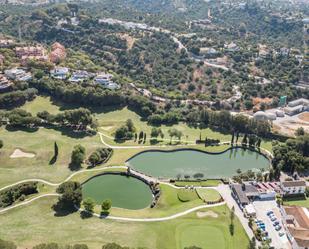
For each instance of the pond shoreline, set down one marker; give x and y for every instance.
(202, 151)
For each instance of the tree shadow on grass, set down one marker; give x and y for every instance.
(85, 215)
(74, 166)
(53, 160)
(62, 210)
(66, 131)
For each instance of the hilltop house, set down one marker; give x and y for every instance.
(231, 47)
(5, 84)
(28, 53)
(5, 43)
(80, 76)
(17, 74)
(60, 73)
(58, 53)
(105, 80)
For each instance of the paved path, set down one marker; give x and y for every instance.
(162, 146)
(225, 192)
(26, 202)
(171, 217)
(67, 179)
(140, 146)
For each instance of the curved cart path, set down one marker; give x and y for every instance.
(26, 202)
(67, 179)
(171, 217)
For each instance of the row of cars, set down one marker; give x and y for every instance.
(275, 222)
(261, 225)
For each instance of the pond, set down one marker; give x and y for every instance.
(189, 162)
(125, 192)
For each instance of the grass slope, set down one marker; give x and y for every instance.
(36, 223)
(208, 194)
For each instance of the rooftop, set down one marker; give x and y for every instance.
(299, 228)
(289, 184)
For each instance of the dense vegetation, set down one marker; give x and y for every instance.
(293, 156)
(17, 193)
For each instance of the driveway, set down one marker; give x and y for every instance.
(262, 207)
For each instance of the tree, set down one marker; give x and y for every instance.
(130, 125)
(94, 158)
(89, 205)
(155, 132)
(78, 156)
(70, 195)
(300, 131)
(7, 245)
(106, 205)
(113, 246)
(252, 244)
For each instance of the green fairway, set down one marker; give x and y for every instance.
(36, 223)
(185, 195)
(39, 104)
(191, 235)
(210, 195)
(302, 202)
(41, 143)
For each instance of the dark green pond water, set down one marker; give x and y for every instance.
(125, 192)
(189, 162)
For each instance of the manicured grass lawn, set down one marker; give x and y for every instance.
(185, 195)
(168, 204)
(207, 183)
(212, 237)
(39, 104)
(41, 143)
(36, 223)
(208, 194)
(301, 203)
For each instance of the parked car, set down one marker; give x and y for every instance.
(278, 228)
(276, 223)
(281, 234)
(273, 219)
(270, 213)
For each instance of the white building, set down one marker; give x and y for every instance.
(105, 80)
(80, 76)
(293, 187)
(297, 106)
(60, 73)
(17, 74)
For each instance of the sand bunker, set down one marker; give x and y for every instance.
(207, 214)
(19, 154)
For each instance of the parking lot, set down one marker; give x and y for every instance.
(262, 207)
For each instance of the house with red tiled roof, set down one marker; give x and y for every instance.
(58, 53)
(295, 220)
